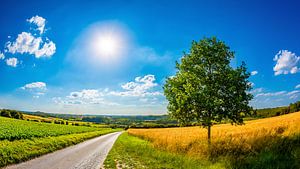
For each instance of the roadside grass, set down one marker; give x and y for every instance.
(17, 151)
(130, 152)
(259, 144)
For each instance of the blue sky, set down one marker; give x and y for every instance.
(112, 57)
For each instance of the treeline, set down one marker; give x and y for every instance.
(148, 121)
(113, 120)
(20, 115)
(11, 114)
(293, 107)
(277, 111)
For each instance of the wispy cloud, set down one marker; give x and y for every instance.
(257, 90)
(271, 93)
(149, 55)
(272, 99)
(293, 92)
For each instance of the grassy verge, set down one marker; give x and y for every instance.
(134, 153)
(21, 150)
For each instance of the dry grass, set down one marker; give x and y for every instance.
(39, 118)
(226, 138)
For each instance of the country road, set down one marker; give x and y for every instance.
(86, 155)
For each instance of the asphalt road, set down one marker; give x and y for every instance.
(86, 155)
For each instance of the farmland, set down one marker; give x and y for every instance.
(21, 140)
(12, 129)
(264, 143)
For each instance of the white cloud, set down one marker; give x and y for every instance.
(47, 50)
(139, 88)
(35, 85)
(33, 44)
(85, 96)
(297, 87)
(27, 43)
(2, 56)
(251, 84)
(39, 22)
(12, 62)
(286, 62)
(254, 72)
(36, 88)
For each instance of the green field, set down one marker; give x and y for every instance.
(22, 140)
(13, 129)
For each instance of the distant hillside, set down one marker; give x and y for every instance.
(149, 121)
(100, 118)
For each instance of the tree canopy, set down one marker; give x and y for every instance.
(206, 89)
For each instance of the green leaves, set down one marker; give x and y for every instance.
(206, 88)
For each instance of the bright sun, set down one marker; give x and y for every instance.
(107, 45)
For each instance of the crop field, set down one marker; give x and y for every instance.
(266, 142)
(54, 119)
(13, 129)
(39, 118)
(21, 140)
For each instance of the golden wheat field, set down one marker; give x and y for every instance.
(226, 138)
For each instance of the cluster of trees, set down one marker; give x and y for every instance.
(293, 107)
(276, 111)
(11, 114)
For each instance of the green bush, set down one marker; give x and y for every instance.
(11, 114)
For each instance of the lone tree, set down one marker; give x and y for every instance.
(206, 89)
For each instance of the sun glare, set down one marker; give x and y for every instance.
(108, 43)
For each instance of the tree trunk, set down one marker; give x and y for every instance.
(208, 135)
